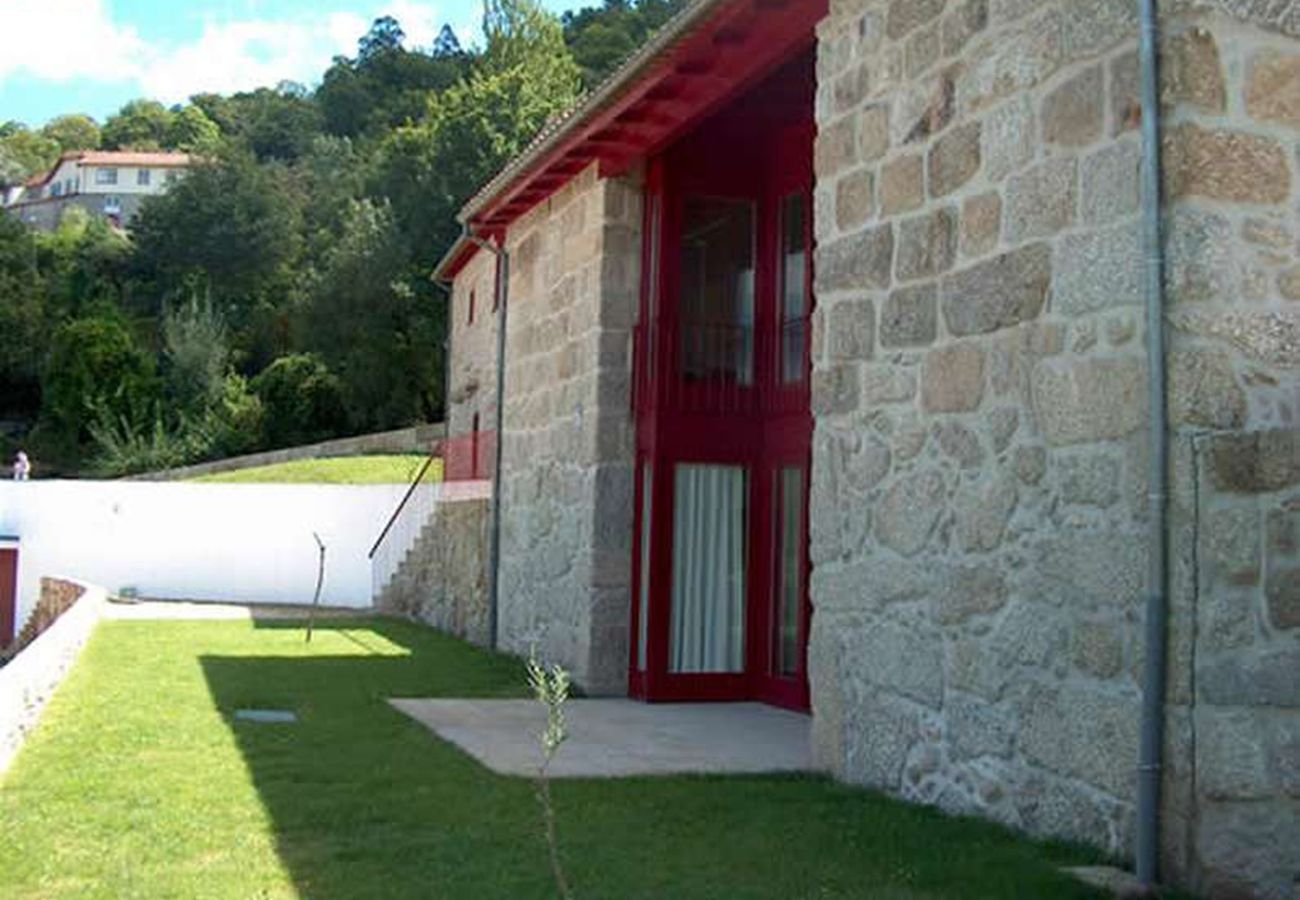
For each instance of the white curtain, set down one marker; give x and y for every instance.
(708, 613)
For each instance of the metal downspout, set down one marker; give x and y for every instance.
(494, 527)
(1153, 676)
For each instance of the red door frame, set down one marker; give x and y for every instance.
(8, 594)
(770, 426)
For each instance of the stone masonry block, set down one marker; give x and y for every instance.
(902, 184)
(1273, 92)
(1074, 113)
(1098, 270)
(1041, 200)
(860, 261)
(952, 379)
(1204, 390)
(1262, 679)
(873, 132)
(903, 661)
(969, 591)
(1191, 72)
(1005, 291)
(1092, 26)
(908, 318)
(906, 15)
(1111, 183)
(1082, 733)
(954, 159)
(927, 245)
(981, 224)
(1084, 400)
(1283, 595)
(909, 510)
(851, 330)
(853, 200)
(1225, 165)
(1255, 463)
(1009, 137)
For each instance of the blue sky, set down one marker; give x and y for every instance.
(92, 56)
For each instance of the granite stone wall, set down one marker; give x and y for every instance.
(979, 481)
(472, 381)
(1231, 87)
(569, 440)
(443, 581)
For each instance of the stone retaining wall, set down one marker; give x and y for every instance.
(444, 580)
(56, 597)
(29, 680)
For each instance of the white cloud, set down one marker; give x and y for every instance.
(58, 40)
(229, 54)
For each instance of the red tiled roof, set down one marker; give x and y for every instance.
(129, 158)
(153, 159)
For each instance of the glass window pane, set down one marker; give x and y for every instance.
(643, 612)
(794, 287)
(717, 290)
(790, 570)
(710, 552)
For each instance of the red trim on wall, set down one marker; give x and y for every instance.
(764, 424)
(8, 595)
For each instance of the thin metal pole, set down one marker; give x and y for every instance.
(1153, 677)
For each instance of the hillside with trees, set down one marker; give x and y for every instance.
(279, 293)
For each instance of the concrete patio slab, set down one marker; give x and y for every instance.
(618, 738)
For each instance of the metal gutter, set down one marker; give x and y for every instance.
(1150, 752)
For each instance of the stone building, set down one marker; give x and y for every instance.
(826, 384)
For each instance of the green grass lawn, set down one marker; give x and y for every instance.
(138, 784)
(399, 469)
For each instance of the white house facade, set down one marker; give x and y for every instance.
(104, 183)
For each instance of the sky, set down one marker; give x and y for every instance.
(92, 56)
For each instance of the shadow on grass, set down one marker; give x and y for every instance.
(365, 803)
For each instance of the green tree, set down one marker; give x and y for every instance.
(369, 326)
(276, 123)
(229, 230)
(22, 321)
(139, 125)
(190, 129)
(195, 355)
(95, 368)
(601, 37)
(302, 401)
(386, 85)
(525, 76)
(73, 132)
(84, 263)
(24, 153)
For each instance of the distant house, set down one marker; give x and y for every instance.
(102, 182)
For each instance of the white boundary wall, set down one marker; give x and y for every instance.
(246, 543)
(31, 677)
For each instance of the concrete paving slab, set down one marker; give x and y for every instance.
(620, 738)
